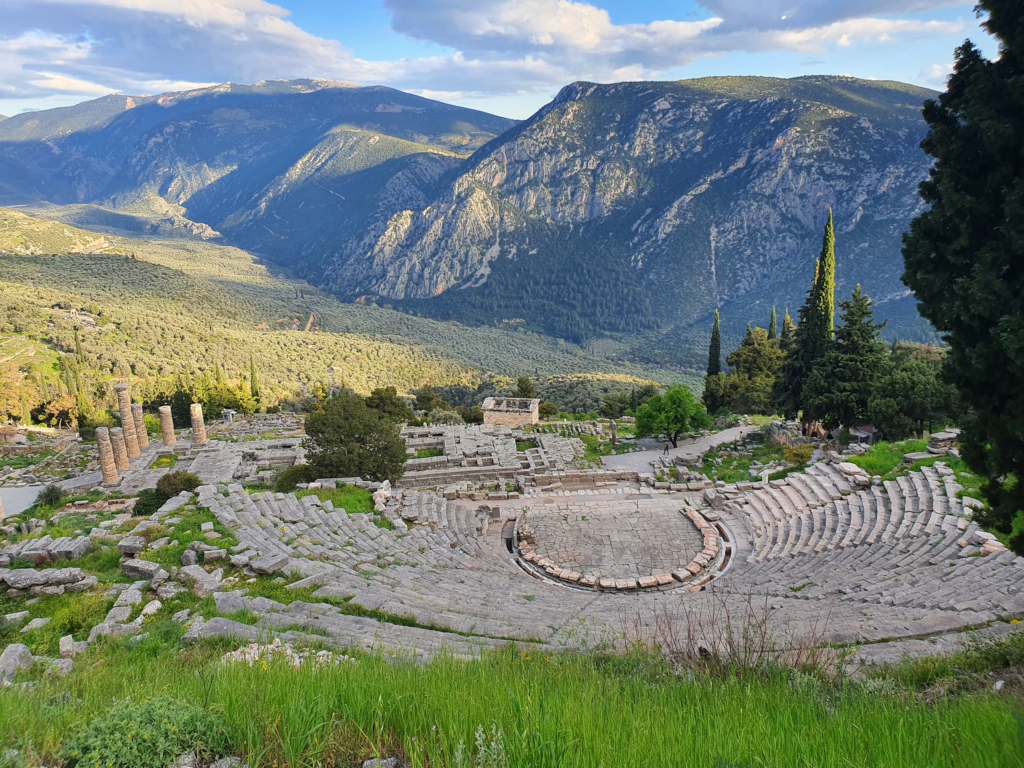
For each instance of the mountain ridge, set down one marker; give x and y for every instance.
(623, 211)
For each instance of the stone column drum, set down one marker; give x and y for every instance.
(117, 443)
(139, 420)
(124, 405)
(167, 425)
(198, 427)
(107, 465)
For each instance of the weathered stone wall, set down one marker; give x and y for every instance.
(510, 418)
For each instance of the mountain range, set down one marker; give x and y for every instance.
(620, 216)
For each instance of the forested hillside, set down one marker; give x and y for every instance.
(155, 311)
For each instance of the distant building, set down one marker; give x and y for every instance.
(511, 411)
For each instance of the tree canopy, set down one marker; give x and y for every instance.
(347, 438)
(963, 256)
(843, 381)
(387, 401)
(672, 414)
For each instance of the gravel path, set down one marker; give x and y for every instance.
(641, 460)
(17, 500)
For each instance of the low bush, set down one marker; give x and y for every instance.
(797, 454)
(174, 483)
(147, 734)
(51, 496)
(288, 478)
(149, 501)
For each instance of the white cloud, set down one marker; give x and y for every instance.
(935, 76)
(89, 47)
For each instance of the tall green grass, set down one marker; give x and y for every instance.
(883, 458)
(570, 712)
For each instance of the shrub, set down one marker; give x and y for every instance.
(51, 496)
(149, 501)
(147, 734)
(797, 454)
(152, 424)
(288, 478)
(87, 425)
(548, 410)
(174, 483)
(442, 416)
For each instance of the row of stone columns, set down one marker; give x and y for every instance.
(118, 445)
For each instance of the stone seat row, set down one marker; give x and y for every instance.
(821, 510)
(938, 570)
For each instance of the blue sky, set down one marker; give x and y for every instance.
(504, 56)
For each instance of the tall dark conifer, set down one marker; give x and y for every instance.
(772, 327)
(963, 255)
(715, 349)
(845, 378)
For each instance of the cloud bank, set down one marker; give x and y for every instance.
(497, 47)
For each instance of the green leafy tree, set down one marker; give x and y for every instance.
(347, 438)
(715, 348)
(614, 404)
(548, 410)
(843, 382)
(525, 388)
(772, 327)
(672, 414)
(387, 401)
(963, 255)
(912, 395)
(428, 400)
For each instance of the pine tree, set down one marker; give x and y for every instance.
(255, 386)
(772, 327)
(963, 255)
(841, 385)
(715, 349)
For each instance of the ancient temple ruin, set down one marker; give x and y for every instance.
(511, 411)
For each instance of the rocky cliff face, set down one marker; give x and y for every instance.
(712, 193)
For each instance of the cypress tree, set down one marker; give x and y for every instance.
(715, 349)
(788, 333)
(963, 255)
(78, 345)
(255, 387)
(772, 327)
(824, 298)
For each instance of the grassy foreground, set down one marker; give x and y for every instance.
(584, 711)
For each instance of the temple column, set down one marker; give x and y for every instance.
(139, 419)
(124, 405)
(117, 443)
(198, 427)
(107, 465)
(167, 425)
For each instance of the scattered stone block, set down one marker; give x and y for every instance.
(140, 569)
(270, 563)
(15, 656)
(131, 545)
(34, 625)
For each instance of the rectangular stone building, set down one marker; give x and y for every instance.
(511, 411)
